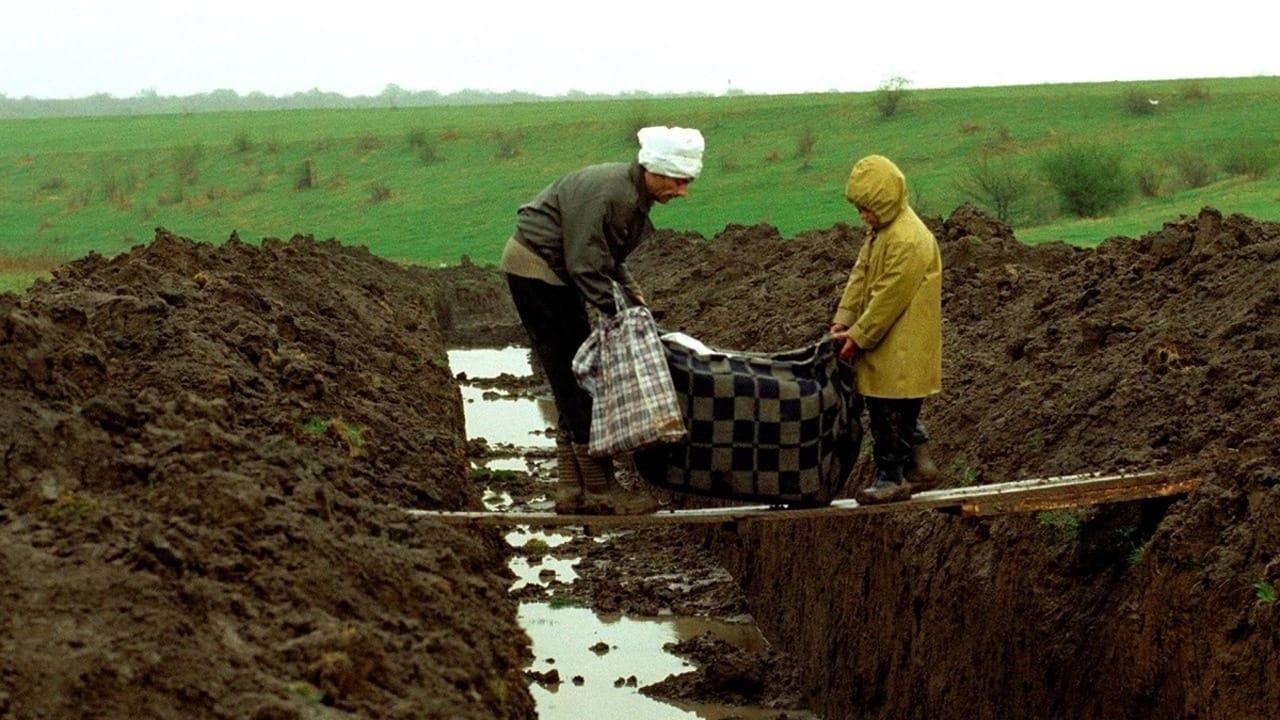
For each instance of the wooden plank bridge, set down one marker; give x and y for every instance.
(1032, 495)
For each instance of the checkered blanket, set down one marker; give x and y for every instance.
(768, 428)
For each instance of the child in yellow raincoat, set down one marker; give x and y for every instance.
(890, 325)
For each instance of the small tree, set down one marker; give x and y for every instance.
(1000, 187)
(889, 96)
(1089, 178)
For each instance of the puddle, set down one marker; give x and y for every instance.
(547, 570)
(567, 634)
(491, 362)
(563, 635)
(522, 536)
(518, 421)
(514, 464)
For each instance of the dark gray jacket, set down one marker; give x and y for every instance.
(585, 224)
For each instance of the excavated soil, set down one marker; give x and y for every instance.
(202, 448)
(1161, 351)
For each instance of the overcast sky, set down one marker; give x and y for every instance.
(72, 48)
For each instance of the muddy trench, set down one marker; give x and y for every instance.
(206, 453)
(1152, 352)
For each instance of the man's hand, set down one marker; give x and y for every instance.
(848, 349)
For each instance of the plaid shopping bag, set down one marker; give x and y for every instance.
(623, 366)
(779, 428)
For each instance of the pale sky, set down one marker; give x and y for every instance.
(72, 48)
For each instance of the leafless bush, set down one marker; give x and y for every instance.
(1140, 102)
(508, 143)
(1000, 187)
(889, 95)
(379, 191)
(1194, 168)
(306, 176)
(806, 140)
(1251, 158)
(1150, 179)
(186, 163)
(1193, 92)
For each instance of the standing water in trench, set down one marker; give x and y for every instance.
(601, 659)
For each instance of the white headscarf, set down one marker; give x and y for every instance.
(671, 151)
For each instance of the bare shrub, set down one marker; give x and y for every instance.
(1000, 187)
(306, 176)
(1193, 92)
(80, 197)
(368, 143)
(508, 143)
(416, 137)
(429, 155)
(186, 163)
(1194, 168)
(1140, 102)
(639, 119)
(53, 184)
(889, 95)
(806, 140)
(1150, 179)
(1089, 178)
(118, 184)
(1001, 140)
(379, 191)
(1251, 158)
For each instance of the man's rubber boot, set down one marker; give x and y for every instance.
(923, 473)
(602, 495)
(568, 493)
(887, 488)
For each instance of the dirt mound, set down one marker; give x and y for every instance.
(1160, 351)
(198, 443)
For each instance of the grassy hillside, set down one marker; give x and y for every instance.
(427, 185)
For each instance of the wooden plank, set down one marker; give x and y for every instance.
(1019, 496)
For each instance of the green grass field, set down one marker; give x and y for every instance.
(69, 186)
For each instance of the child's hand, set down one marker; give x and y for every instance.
(838, 328)
(848, 349)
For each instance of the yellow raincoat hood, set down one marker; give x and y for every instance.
(879, 186)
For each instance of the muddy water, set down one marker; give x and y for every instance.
(597, 681)
(518, 421)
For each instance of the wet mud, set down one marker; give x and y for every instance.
(201, 453)
(1156, 352)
